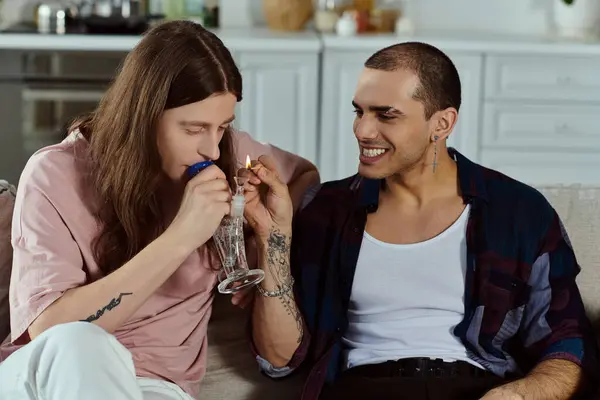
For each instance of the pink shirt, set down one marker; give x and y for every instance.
(53, 228)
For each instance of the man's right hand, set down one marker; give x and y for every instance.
(272, 212)
(206, 200)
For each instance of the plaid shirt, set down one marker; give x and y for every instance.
(522, 304)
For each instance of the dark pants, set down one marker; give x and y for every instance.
(359, 385)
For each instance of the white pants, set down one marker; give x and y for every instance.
(78, 361)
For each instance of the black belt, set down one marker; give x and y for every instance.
(419, 368)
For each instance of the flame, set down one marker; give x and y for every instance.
(248, 163)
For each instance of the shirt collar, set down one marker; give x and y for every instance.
(470, 177)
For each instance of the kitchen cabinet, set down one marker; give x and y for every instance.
(280, 79)
(530, 107)
(280, 104)
(540, 117)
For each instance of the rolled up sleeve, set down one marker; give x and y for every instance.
(280, 372)
(46, 258)
(555, 322)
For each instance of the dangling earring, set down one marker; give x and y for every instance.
(435, 139)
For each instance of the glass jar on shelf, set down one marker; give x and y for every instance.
(364, 5)
(405, 22)
(384, 16)
(328, 12)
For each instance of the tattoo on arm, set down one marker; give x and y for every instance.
(278, 250)
(112, 304)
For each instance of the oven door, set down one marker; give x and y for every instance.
(49, 108)
(41, 93)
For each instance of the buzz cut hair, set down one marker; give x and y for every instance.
(439, 83)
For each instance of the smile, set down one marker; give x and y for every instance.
(371, 155)
(372, 152)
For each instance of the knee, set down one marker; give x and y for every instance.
(74, 332)
(82, 338)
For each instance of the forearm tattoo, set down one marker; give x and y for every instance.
(113, 303)
(278, 254)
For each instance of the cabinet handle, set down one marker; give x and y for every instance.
(562, 128)
(65, 95)
(563, 80)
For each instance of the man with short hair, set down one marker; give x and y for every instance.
(425, 276)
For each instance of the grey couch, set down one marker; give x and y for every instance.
(232, 371)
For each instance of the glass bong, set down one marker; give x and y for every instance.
(230, 243)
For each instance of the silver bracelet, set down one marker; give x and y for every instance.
(282, 290)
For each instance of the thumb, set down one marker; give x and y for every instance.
(266, 170)
(271, 179)
(268, 162)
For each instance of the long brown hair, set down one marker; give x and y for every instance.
(176, 63)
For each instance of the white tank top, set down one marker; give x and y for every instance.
(407, 299)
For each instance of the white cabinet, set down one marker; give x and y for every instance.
(280, 104)
(466, 136)
(338, 156)
(338, 151)
(541, 127)
(545, 167)
(541, 116)
(542, 77)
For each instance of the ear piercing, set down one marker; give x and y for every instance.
(435, 139)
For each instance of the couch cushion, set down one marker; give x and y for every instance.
(579, 208)
(7, 202)
(232, 372)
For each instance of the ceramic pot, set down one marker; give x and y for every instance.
(578, 20)
(287, 15)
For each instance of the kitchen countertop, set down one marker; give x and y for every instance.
(262, 39)
(468, 42)
(256, 39)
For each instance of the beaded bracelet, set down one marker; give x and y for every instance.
(285, 289)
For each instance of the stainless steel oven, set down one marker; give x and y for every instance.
(41, 93)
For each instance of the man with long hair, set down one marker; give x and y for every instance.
(113, 279)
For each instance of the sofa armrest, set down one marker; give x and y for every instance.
(7, 203)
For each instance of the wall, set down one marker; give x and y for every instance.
(12, 11)
(527, 17)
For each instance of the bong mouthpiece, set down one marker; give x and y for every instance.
(240, 181)
(238, 201)
(195, 169)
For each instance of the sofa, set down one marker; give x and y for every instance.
(232, 371)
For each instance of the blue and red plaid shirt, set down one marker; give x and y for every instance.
(522, 304)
